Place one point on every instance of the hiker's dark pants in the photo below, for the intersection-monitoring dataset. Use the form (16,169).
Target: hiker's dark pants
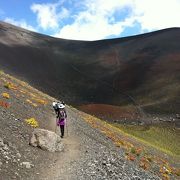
(62,130)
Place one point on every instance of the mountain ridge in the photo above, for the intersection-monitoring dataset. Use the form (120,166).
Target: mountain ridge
(102,71)
(5,24)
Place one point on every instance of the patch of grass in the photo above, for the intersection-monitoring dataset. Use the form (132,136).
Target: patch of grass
(133,150)
(163,137)
(136,151)
(177,172)
(149,158)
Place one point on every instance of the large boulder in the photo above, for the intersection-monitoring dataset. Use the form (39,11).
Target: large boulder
(46,140)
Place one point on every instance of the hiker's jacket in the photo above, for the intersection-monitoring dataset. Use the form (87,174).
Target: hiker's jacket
(62,115)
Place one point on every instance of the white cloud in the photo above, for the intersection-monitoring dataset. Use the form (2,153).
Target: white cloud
(157,14)
(95,22)
(95,19)
(21,23)
(48,15)
(92,29)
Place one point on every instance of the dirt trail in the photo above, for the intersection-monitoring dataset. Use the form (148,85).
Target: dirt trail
(88,155)
(61,165)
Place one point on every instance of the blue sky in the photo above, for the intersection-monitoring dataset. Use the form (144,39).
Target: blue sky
(91,19)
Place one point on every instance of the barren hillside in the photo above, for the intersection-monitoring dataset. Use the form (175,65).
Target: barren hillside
(93,149)
(141,70)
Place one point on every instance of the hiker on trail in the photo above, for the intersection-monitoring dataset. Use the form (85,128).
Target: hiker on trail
(55,107)
(61,118)
(62,102)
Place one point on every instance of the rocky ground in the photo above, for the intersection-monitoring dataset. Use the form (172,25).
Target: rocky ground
(91,155)
(88,153)
(99,159)
(18,160)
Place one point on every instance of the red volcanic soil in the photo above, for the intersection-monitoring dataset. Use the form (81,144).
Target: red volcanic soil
(110,112)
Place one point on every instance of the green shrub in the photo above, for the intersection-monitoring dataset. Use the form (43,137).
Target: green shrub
(133,150)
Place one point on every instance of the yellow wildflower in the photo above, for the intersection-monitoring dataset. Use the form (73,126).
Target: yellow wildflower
(32,122)
(6,95)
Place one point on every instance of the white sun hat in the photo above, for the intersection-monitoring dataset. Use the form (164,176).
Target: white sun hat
(61,106)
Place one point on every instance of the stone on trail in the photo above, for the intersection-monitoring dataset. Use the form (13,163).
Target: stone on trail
(1,142)
(28,165)
(46,140)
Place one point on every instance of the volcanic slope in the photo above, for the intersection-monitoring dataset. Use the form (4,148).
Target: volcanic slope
(88,153)
(143,69)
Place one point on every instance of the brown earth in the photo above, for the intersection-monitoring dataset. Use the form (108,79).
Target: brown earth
(112,113)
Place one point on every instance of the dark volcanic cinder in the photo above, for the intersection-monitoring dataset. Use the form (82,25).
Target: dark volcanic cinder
(143,69)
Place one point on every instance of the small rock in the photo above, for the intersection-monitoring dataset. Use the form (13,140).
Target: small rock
(17,119)
(11,145)
(178,116)
(18,155)
(16,174)
(1,142)
(6,157)
(28,165)
(5,148)
(12,115)
(14,161)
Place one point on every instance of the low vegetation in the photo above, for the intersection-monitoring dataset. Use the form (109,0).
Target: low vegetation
(23,90)
(9,85)
(162,137)
(32,122)
(4,104)
(5,95)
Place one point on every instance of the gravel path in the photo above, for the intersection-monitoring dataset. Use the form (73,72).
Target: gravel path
(90,155)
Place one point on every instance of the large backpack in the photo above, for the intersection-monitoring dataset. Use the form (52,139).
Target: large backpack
(56,108)
(62,114)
